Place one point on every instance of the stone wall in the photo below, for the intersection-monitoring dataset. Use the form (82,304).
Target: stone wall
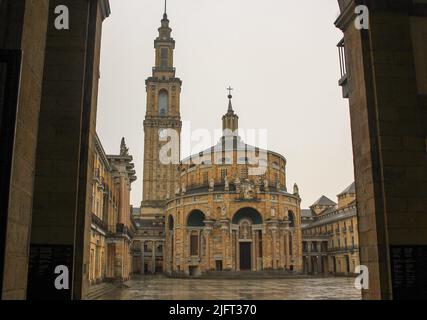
(24,25)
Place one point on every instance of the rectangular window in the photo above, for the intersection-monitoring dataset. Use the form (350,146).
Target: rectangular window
(194,245)
(164,57)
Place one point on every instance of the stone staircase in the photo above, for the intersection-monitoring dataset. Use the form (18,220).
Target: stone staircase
(265,274)
(98,290)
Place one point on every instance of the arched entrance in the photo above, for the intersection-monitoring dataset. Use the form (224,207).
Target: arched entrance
(247,239)
(195,224)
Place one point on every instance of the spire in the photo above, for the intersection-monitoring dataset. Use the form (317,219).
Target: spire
(230,121)
(165,30)
(230,105)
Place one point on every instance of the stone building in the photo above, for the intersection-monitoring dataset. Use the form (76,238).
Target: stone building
(330,235)
(112,226)
(48,104)
(215,214)
(49,79)
(223,217)
(148,244)
(383,74)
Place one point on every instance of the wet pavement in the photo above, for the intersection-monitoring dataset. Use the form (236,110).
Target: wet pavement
(162,288)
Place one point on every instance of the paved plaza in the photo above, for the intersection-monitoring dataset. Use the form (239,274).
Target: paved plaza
(162,288)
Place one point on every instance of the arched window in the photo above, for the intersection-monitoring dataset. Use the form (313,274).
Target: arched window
(247,213)
(195,220)
(163,102)
(291,218)
(171,223)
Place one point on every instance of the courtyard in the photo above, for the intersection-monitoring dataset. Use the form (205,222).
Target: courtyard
(162,288)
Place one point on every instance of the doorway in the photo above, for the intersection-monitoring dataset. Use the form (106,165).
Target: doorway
(218,265)
(245,255)
(347,264)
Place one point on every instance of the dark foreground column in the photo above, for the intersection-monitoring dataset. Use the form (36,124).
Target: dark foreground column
(23,26)
(387,82)
(61,212)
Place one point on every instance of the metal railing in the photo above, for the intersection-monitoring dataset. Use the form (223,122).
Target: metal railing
(350,248)
(343,82)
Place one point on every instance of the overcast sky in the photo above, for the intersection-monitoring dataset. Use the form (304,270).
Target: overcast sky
(279,56)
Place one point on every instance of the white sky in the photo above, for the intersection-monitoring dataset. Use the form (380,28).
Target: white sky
(279,56)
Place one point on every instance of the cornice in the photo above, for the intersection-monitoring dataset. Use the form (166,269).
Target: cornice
(105,9)
(346,17)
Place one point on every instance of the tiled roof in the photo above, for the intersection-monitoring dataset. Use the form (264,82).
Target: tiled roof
(335,215)
(351,189)
(324,201)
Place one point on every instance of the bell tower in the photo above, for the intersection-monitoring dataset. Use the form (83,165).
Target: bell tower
(162,122)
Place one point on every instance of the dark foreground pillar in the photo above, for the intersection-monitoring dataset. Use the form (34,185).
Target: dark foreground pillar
(387,83)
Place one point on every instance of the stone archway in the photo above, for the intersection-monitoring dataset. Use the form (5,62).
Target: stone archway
(196,241)
(247,239)
(196,218)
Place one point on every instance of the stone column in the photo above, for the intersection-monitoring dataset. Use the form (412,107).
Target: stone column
(207,231)
(310,267)
(256,246)
(273,246)
(153,257)
(282,249)
(171,251)
(287,259)
(237,251)
(226,244)
(253,251)
(142,257)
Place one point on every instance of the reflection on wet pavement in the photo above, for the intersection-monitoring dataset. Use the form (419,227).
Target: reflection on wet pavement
(162,288)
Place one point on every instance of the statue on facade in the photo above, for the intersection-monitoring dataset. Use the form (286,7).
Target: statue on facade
(184,188)
(245,230)
(211,184)
(177,189)
(247,190)
(266,185)
(257,183)
(296,190)
(124,151)
(227,184)
(223,211)
(237,181)
(273,212)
